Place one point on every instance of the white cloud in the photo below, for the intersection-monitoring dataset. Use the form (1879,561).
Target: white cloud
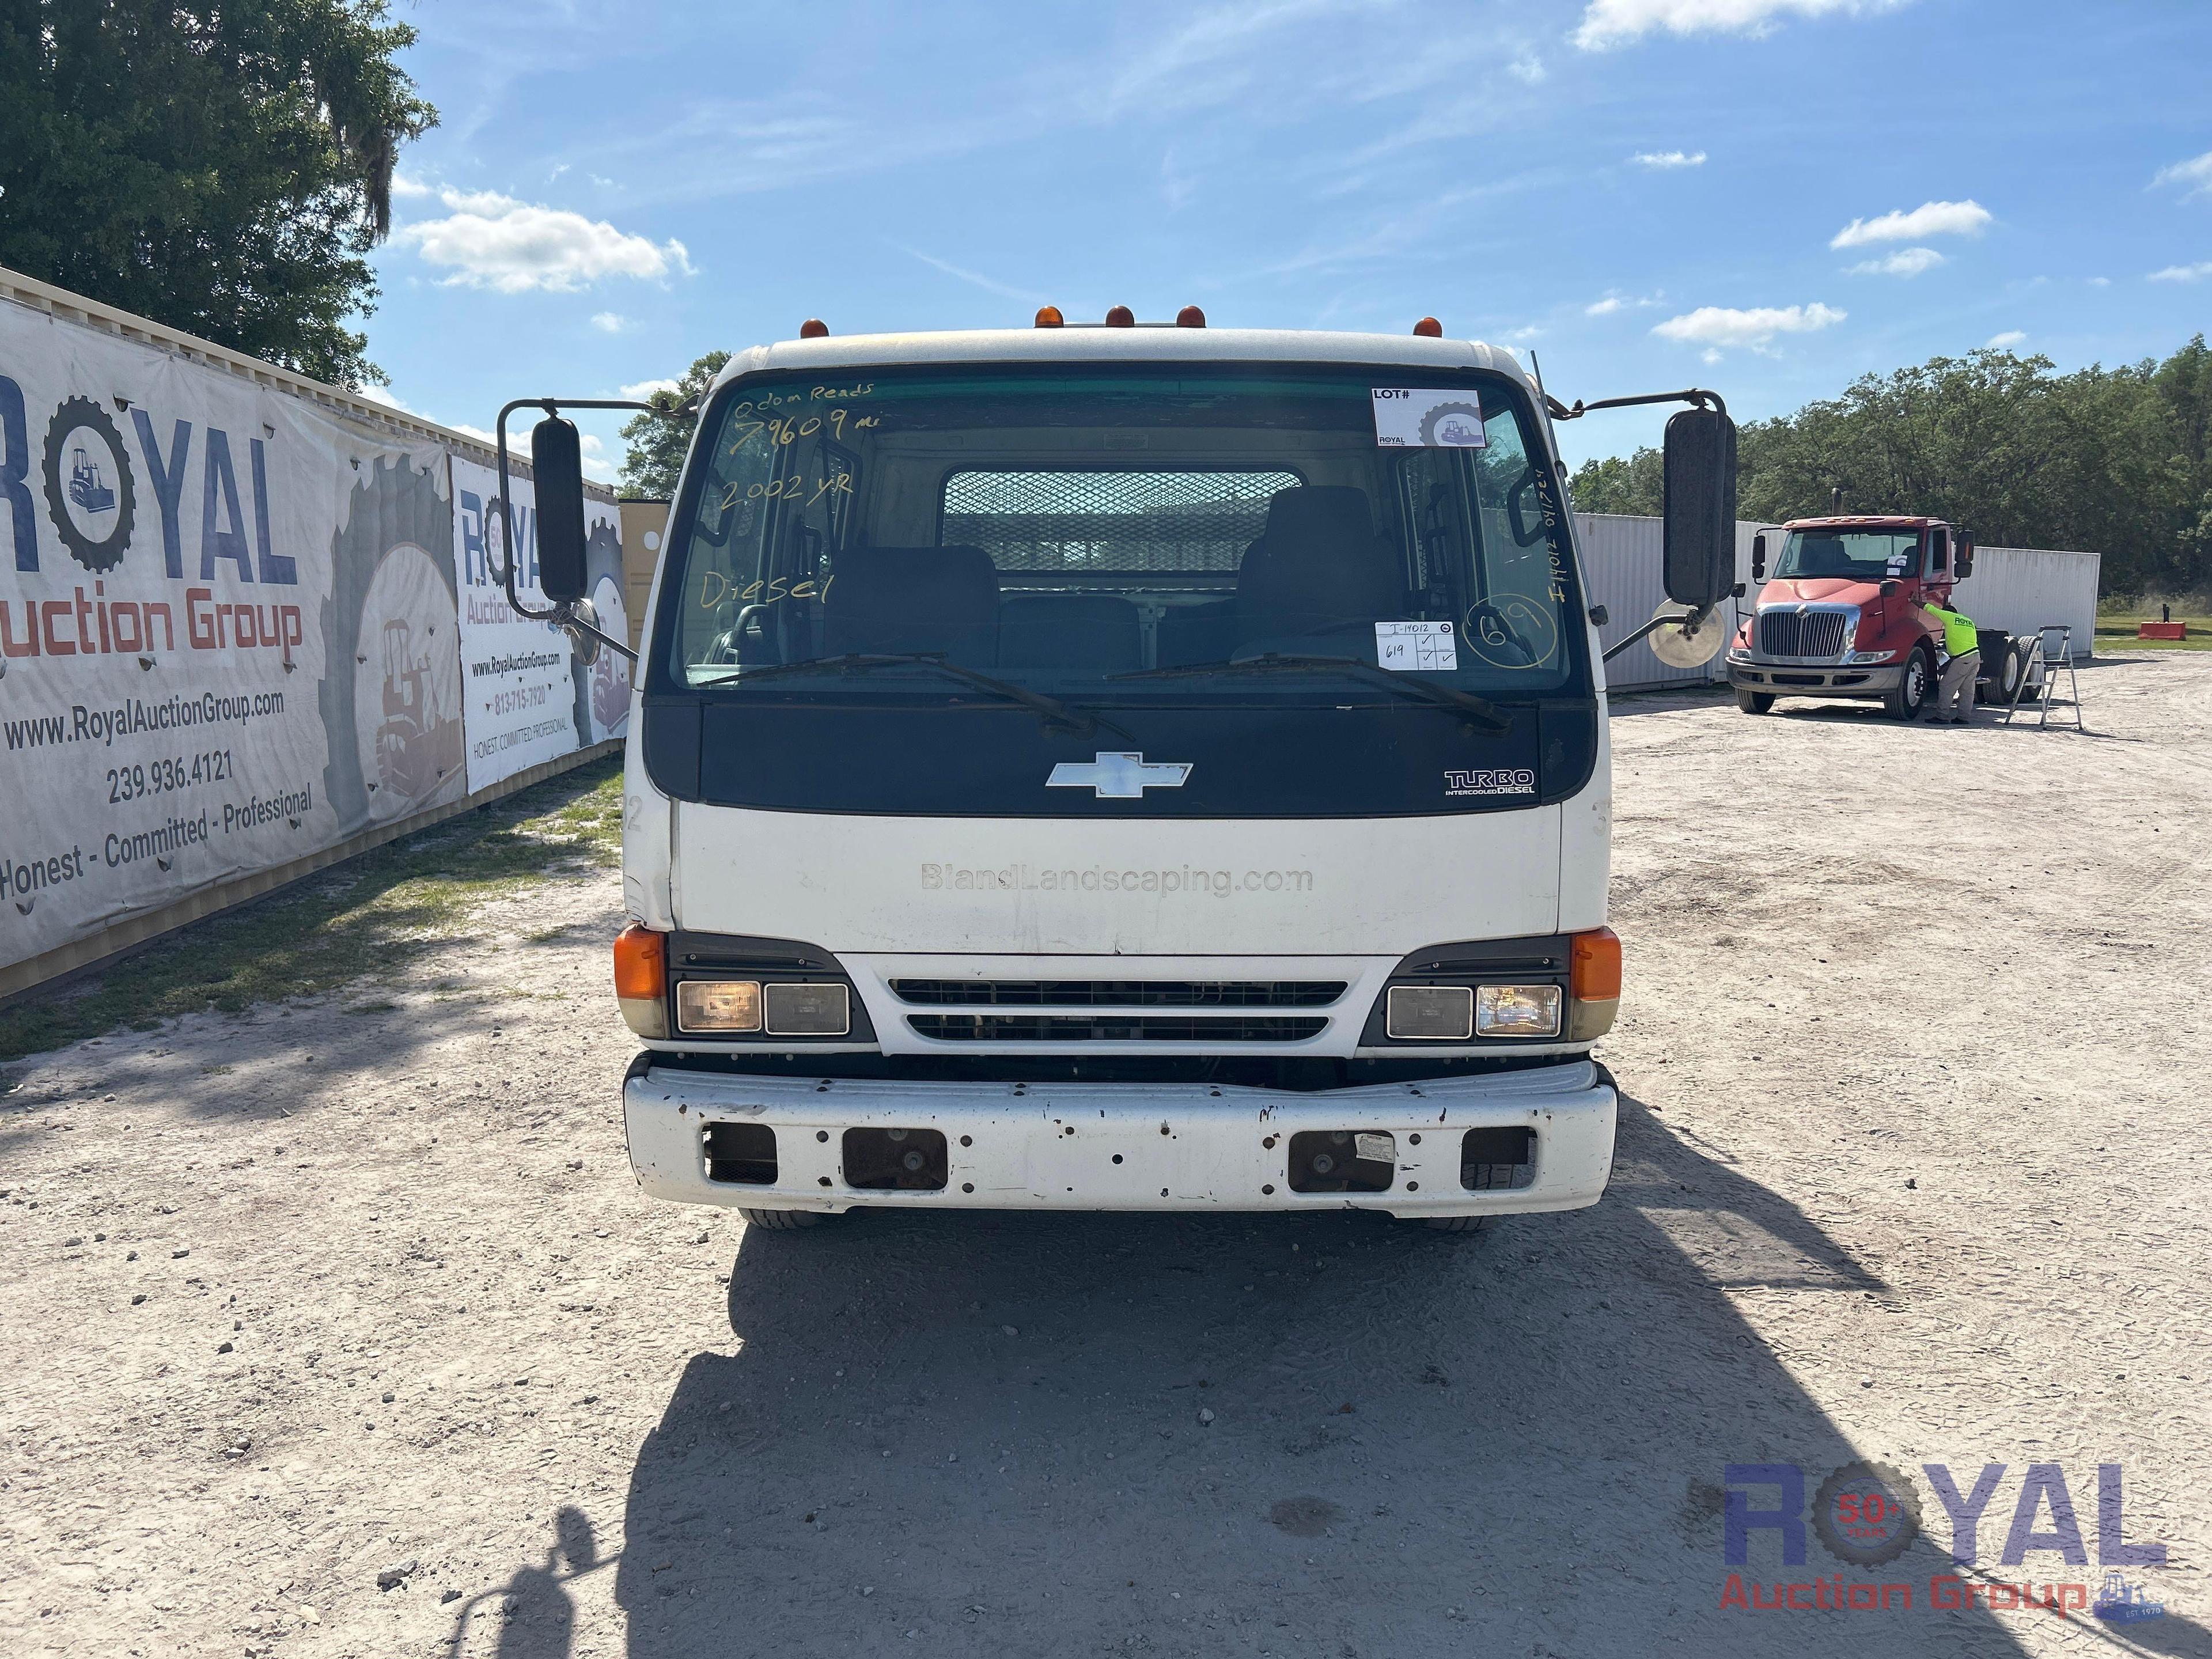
(610,322)
(1667,158)
(1906,262)
(640,390)
(494,241)
(1527,68)
(1929,219)
(2196,273)
(2008,340)
(2100,281)
(377,394)
(1618,303)
(989,285)
(1611,23)
(1716,327)
(1522,336)
(406,184)
(2197,174)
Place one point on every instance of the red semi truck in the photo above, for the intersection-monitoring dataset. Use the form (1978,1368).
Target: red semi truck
(1841,616)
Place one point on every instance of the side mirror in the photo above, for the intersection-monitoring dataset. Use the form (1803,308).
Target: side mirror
(556,463)
(1759,558)
(1962,559)
(1699,505)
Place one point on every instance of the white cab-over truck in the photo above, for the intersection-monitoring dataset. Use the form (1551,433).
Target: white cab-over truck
(1122,767)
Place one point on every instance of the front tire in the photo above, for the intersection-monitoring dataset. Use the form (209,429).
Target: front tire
(782,1221)
(1914,686)
(1755,702)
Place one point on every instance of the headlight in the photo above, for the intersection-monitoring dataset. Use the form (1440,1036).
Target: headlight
(718,1005)
(809,1009)
(1435,1013)
(1518,1011)
(1739,653)
(1872,656)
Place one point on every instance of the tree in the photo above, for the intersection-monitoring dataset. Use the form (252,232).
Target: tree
(223,170)
(657,444)
(1616,483)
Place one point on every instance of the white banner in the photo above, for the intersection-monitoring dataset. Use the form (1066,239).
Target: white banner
(227,634)
(529,698)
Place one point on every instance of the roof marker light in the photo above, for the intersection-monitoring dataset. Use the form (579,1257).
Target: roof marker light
(814,329)
(1120,317)
(1050,317)
(1190,317)
(1429,329)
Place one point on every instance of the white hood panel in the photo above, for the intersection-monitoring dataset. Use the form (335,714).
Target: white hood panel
(1120,887)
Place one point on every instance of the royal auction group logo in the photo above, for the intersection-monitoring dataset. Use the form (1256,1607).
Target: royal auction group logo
(90,494)
(1868,1514)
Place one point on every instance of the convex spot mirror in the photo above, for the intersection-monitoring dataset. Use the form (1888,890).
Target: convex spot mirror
(1698,562)
(557,466)
(584,615)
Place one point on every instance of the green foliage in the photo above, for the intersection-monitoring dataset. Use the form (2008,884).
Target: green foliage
(222,169)
(1619,485)
(387,912)
(657,444)
(2112,461)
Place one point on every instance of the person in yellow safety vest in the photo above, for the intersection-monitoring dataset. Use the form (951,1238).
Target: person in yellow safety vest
(1962,664)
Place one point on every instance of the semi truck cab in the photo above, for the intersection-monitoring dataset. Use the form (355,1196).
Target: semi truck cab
(1125,768)
(1841,615)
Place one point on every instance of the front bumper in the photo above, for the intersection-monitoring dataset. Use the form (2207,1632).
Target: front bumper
(1787,679)
(1122,1147)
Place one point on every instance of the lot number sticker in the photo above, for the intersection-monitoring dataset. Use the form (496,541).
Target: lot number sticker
(1416,647)
(1406,419)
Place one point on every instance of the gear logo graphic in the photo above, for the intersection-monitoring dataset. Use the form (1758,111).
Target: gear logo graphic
(1867,1513)
(90,494)
(1454,426)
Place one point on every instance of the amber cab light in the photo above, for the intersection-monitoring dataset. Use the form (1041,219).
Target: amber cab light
(641,980)
(1190,317)
(1120,317)
(1050,317)
(640,962)
(1594,984)
(814,329)
(1429,329)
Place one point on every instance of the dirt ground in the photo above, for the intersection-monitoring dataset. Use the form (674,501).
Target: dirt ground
(1912,1167)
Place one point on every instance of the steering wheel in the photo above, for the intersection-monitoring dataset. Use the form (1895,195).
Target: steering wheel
(1488,626)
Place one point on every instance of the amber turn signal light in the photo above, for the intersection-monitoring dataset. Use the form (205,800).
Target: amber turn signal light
(1190,317)
(1120,317)
(1429,329)
(641,980)
(1594,982)
(1050,317)
(814,329)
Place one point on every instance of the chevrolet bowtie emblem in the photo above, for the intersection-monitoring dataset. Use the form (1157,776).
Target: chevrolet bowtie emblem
(1119,776)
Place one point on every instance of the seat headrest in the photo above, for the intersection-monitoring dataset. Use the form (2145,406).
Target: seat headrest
(912,598)
(1320,558)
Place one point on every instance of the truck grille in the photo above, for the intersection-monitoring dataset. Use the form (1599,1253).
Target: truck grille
(1112,1028)
(1780,633)
(1119,994)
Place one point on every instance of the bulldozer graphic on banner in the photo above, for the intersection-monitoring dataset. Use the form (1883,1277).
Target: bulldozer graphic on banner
(418,743)
(86,487)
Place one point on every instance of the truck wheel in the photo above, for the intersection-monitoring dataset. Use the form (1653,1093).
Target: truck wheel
(1913,686)
(2007,665)
(1461,1224)
(782,1221)
(1755,702)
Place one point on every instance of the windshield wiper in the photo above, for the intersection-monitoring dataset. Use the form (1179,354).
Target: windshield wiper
(1478,712)
(1050,710)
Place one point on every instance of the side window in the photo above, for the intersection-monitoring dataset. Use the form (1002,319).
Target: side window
(1939,553)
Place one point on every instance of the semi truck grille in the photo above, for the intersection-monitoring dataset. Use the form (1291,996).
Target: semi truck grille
(1119,994)
(1112,1028)
(1781,632)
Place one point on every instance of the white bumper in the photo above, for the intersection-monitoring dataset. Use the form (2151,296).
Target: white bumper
(1123,1146)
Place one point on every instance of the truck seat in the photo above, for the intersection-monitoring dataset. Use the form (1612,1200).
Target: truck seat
(1090,632)
(913,598)
(1319,562)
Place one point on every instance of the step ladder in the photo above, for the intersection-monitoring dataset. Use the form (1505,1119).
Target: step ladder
(2052,652)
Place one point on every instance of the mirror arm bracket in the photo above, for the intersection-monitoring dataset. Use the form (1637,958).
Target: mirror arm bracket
(559,615)
(1695,620)
(1696,395)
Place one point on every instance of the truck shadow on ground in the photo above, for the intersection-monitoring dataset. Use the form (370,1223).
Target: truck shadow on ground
(1033,1434)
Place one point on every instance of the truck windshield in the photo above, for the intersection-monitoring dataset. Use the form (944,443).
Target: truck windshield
(1065,532)
(1851,555)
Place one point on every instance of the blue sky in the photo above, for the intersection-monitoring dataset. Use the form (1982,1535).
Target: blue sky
(1766,197)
